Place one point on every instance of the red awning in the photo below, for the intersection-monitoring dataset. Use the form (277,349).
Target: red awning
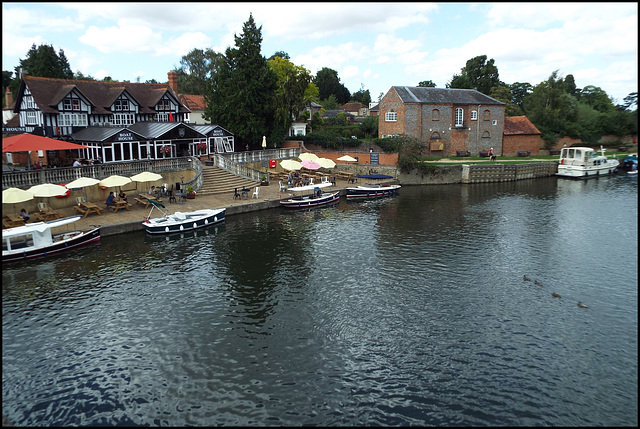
(31,142)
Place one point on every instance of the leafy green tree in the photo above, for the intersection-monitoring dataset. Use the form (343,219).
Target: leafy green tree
(630,101)
(570,85)
(362,96)
(42,61)
(330,103)
(241,94)
(328,83)
(479,74)
(551,109)
(596,98)
(519,91)
(427,84)
(292,85)
(503,93)
(196,68)
(369,126)
(280,54)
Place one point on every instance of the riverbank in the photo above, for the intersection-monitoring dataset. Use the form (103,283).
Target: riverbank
(131,220)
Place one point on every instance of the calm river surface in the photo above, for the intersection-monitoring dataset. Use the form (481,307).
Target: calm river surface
(405,311)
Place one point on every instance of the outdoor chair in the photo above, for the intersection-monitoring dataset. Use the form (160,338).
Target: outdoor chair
(256,192)
(282,186)
(236,195)
(170,194)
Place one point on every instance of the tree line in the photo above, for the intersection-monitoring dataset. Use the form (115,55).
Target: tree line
(255,96)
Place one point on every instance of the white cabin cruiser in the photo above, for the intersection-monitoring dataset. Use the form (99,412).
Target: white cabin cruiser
(584,162)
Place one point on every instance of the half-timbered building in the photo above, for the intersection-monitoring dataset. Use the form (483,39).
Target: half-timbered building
(120,121)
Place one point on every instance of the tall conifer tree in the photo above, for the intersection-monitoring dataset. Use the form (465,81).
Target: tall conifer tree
(242,92)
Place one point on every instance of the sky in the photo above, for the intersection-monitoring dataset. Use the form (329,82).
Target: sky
(372,46)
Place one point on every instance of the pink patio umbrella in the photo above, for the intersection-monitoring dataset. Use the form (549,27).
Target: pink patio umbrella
(311,165)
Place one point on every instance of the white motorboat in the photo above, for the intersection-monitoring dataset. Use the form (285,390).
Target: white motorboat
(584,162)
(36,239)
(179,221)
(372,190)
(308,196)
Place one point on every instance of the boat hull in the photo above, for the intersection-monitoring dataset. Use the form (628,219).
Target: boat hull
(366,192)
(72,240)
(191,221)
(583,172)
(309,201)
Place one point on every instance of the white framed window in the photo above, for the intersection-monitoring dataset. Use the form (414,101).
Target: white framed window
(75,104)
(123,119)
(121,105)
(72,120)
(391,116)
(28,102)
(459,117)
(31,118)
(474,115)
(163,105)
(161,117)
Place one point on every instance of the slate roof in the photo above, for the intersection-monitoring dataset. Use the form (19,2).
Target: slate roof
(193,102)
(48,92)
(415,94)
(519,125)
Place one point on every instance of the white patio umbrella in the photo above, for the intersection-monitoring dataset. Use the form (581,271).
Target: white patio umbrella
(46,190)
(16,195)
(82,182)
(347,158)
(290,164)
(308,156)
(264,142)
(326,162)
(146,176)
(114,181)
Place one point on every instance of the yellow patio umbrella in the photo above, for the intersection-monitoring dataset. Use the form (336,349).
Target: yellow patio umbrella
(114,181)
(308,156)
(347,158)
(326,162)
(290,164)
(46,190)
(16,195)
(82,182)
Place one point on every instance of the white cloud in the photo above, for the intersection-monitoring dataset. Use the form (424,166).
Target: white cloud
(119,39)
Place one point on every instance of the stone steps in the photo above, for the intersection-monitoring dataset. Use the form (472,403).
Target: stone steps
(219,181)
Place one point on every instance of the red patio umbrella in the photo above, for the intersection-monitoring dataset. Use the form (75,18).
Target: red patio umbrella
(31,142)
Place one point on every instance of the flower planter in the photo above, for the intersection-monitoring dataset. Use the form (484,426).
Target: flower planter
(191,195)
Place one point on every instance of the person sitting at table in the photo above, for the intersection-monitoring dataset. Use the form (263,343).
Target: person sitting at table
(290,179)
(24,215)
(153,191)
(123,196)
(110,200)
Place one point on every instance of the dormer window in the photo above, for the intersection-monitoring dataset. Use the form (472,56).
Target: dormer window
(163,104)
(71,104)
(121,105)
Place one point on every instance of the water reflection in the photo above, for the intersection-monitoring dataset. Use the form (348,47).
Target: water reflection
(409,310)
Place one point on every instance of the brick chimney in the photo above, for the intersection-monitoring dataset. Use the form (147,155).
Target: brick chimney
(9,98)
(173,80)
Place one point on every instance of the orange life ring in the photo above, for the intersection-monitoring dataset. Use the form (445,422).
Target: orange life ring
(66,194)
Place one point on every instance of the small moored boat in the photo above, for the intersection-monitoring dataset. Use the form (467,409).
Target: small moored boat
(308,196)
(630,164)
(179,221)
(372,190)
(584,162)
(36,239)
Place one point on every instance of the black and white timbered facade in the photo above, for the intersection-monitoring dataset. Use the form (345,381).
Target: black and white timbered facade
(121,121)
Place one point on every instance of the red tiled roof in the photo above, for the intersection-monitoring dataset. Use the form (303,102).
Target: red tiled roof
(193,102)
(519,125)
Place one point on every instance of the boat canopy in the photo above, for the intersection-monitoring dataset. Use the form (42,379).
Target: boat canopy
(375,176)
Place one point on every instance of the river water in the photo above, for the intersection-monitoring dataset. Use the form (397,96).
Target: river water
(410,310)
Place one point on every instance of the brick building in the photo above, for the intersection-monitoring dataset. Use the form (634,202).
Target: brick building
(448,120)
(520,135)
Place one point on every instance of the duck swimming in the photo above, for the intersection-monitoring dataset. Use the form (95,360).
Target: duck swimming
(555,295)
(526,279)
(581,305)
(538,283)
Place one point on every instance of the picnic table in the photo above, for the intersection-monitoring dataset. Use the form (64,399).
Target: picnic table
(120,204)
(86,207)
(12,220)
(144,199)
(47,214)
